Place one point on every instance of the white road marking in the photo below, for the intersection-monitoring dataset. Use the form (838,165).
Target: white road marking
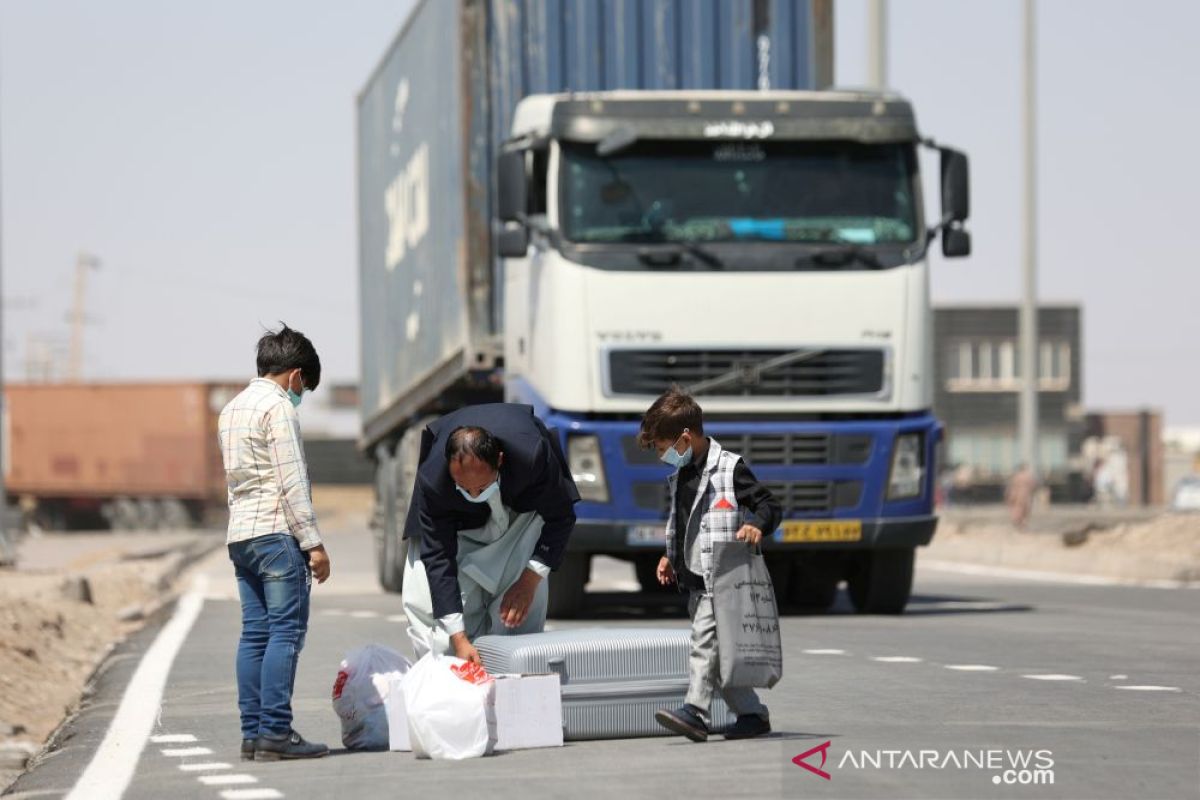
(397,618)
(1150,688)
(186,752)
(1118,677)
(334,612)
(251,794)
(897,659)
(972,667)
(364,614)
(1052,676)
(173,738)
(113,764)
(205,766)
(1051,577)
(227,780)
(826,652)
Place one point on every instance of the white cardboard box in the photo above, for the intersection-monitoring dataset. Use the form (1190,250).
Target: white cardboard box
(527,710)
(397,717)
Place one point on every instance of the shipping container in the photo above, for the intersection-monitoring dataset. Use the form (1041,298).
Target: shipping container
(136,454)
(430,122)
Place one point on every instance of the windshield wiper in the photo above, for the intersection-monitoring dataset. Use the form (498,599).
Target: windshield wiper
(842,256)
(670,254)
(753,371)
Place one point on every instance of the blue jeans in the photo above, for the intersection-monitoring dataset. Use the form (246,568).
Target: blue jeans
(274,583)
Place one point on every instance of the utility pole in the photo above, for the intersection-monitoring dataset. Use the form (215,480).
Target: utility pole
(877,52)
(1027,421)
(78,319)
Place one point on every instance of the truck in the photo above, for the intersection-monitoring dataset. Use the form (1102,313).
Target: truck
(121,455)
(579,205)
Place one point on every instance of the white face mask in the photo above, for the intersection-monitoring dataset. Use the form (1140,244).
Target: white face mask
(483,496)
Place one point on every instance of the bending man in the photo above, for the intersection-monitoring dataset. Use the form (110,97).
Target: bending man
(492,509)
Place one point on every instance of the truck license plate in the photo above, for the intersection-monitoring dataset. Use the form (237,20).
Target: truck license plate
(833,530)
(646,536)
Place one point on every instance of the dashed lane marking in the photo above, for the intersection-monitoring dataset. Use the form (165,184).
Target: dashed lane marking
(1052,676)
(205,766)
(186,752)
(227,780)
(829,651)
(1150,688)
(972,667)
(251,794)
(897,659)
(364,614)
(173,738)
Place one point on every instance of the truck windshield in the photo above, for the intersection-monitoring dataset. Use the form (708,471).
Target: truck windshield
(773,191)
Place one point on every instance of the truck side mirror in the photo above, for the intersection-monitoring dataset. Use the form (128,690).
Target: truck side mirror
(956,242)
(511,188)
(512,240)
(956,201)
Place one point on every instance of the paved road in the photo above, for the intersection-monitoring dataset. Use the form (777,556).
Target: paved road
(979,664)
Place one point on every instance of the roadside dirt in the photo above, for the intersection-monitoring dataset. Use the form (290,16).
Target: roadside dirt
(1164,548)
(51,639)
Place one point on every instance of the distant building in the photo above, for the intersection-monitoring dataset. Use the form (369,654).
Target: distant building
(977,373)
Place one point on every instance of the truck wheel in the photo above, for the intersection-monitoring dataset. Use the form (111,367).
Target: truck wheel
(389,555)
(882,581)
(566,586)
(814,582)
(646,569)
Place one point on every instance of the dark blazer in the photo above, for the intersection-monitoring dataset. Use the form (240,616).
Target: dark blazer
(533,477)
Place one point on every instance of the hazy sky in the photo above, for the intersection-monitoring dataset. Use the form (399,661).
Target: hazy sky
(205,152)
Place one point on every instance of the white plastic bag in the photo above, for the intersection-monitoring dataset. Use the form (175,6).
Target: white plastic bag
(447,716)
(362,686)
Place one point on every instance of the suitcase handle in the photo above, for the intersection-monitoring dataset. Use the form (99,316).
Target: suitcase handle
(558,665)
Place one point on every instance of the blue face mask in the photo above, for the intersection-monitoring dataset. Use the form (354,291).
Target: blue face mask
(295,398)
(674,458)
(485,495)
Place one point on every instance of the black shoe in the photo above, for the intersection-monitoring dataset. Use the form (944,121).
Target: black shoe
(685,720)
(748,726)
(292,746)
(248,749)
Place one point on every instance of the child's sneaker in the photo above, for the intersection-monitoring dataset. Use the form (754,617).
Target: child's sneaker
(748,726)
(685,720)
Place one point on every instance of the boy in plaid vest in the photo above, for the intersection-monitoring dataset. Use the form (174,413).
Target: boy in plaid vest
(714,498)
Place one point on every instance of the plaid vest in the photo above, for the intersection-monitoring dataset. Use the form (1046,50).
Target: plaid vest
(715,515)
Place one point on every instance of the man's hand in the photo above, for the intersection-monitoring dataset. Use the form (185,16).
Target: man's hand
(749,534)
(318,562)
(514,608)
(464,649)
(665,572)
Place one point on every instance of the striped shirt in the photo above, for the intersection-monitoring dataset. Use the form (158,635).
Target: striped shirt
(265,469)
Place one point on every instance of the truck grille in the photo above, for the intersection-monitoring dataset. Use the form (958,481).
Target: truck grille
(775,449)
(827,372)
(797,498)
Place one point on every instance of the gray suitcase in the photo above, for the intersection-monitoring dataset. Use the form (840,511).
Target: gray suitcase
(613,679)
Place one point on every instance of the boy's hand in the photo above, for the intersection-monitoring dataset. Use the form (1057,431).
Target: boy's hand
(666,573)
(318,562)
(749,534)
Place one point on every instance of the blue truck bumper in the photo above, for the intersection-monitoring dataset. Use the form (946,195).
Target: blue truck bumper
(834,472)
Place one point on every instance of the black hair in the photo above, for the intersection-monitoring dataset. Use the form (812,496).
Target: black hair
(672,413)
(286,349)
(469,440)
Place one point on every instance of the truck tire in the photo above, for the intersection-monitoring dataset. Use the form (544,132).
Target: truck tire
(567,586)
(881,581)
(814,582)
(388,556)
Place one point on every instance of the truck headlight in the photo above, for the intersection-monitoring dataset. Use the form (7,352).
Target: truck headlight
(587,468)
(907,477)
